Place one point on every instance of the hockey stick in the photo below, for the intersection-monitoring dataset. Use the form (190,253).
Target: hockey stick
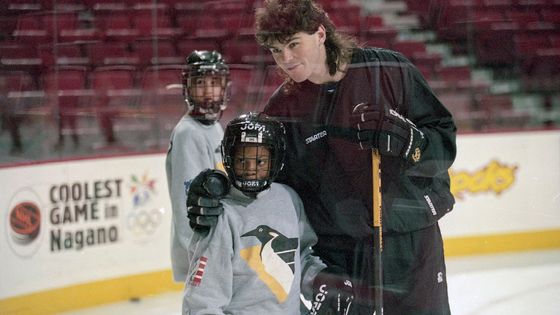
(377,232)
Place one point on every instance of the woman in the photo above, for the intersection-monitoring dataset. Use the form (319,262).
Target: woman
(337,100)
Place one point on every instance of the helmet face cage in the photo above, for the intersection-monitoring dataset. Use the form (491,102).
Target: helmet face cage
(253,151)
(206,85)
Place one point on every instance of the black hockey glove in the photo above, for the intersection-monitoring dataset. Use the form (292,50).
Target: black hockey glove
(385,129)
(333,293)
(203,199)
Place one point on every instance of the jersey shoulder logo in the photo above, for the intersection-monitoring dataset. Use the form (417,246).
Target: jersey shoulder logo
(315,137)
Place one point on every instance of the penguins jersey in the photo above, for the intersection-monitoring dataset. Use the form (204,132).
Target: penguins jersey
(193,147)
(256,260)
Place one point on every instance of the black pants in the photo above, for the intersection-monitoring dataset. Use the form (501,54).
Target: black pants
(413,270)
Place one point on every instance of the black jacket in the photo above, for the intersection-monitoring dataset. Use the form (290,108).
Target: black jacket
(330,172)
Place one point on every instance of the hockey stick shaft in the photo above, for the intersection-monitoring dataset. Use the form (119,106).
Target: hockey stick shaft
(377,231)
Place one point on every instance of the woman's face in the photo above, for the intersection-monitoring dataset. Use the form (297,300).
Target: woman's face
(303,56)
(252,162)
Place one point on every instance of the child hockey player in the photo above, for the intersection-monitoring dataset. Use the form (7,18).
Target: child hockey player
(257,259)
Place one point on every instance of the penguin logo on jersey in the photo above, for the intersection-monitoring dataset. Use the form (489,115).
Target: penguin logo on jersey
(273,260)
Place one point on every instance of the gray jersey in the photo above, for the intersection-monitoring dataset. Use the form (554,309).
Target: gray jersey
(256,260)
(193,147)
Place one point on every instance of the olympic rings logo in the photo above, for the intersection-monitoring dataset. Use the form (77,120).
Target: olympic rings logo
(144,222)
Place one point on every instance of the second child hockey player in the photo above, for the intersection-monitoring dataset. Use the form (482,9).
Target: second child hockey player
(195,141)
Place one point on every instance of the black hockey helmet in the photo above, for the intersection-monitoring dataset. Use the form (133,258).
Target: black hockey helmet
(254,130)
(199,64)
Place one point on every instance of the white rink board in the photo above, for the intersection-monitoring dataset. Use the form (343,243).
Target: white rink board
(133,189)
(519,192)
